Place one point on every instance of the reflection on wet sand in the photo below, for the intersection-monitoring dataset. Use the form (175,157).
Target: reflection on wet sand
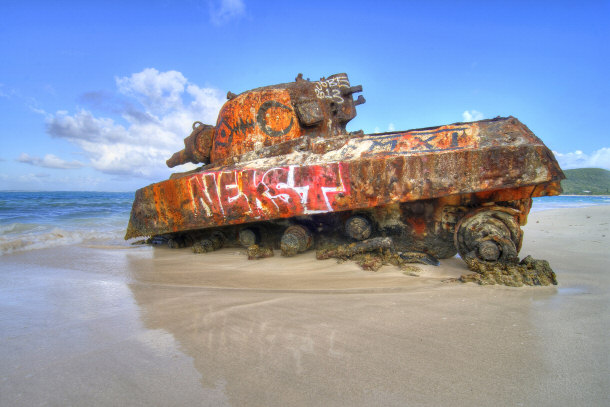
(280,347)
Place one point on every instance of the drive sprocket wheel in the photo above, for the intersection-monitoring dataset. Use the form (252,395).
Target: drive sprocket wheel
(490,234)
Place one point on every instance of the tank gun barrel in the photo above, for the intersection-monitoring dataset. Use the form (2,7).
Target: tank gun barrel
(197,146)
(179,158)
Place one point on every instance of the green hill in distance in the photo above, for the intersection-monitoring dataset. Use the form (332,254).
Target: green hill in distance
(586,181)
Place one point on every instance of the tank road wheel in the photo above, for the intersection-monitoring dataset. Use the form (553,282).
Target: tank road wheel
(358,227)
(248,237)
(296,239)
(489,234)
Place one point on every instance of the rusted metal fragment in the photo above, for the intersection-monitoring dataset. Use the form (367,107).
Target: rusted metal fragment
(257,252)
(419,257)
(527,272)
(347,251)
(373,253)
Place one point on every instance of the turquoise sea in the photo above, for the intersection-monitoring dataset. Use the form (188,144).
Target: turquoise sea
(35,220)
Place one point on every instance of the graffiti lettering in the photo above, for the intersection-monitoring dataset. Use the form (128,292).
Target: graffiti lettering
(232,200)
(269,194)
(226,131)
(419,142)
(333,94)
(205,194)
(330,88)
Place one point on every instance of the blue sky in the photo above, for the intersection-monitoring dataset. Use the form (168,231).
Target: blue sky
(96,95)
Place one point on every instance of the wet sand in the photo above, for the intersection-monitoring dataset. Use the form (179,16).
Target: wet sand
(141,326)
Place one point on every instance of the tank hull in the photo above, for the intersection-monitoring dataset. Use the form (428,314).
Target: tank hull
(488,161)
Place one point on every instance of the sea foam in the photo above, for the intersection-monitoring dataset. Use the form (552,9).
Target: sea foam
(18,242)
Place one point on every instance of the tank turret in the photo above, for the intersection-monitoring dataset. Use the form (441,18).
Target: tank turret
(272,115)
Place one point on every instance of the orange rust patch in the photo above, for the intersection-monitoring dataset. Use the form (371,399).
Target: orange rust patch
(255,118)
(418,225)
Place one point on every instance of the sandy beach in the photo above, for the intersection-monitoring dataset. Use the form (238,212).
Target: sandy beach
(118,325)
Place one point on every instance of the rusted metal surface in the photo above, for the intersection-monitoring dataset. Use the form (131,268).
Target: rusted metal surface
(282,152)
(368,171)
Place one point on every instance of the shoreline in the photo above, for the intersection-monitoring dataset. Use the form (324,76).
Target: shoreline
(54,229)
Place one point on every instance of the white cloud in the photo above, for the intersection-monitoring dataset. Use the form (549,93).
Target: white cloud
(472,115)
(223,11)
(579,159)
(159,92)
(391,127)
(49,161)
(165,107)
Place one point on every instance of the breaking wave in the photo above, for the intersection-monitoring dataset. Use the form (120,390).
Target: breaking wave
(31,239)
(38,220)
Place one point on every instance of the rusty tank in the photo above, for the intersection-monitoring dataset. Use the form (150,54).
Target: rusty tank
(280,170)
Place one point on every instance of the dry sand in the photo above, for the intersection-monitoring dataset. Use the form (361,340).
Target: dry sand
(142,326)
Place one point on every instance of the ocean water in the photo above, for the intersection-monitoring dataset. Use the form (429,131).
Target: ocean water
(35,220)
(568,201)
